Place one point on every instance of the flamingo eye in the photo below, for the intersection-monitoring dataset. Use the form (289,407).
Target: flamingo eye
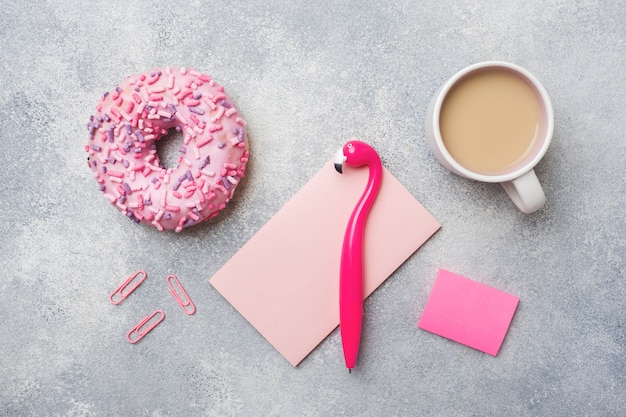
(349,145)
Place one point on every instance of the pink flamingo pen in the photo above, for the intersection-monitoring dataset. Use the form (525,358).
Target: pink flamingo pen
(355,154)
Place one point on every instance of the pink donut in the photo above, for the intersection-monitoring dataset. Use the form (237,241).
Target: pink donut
(123,155)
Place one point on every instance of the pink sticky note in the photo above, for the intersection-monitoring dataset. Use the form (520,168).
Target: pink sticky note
(285,279)
(468,312)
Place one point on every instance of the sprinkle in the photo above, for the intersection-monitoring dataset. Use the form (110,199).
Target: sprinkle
(201,197)
(111,198)
(194,118)
(174,209)
(157,225)
(127,188)
(240,121)
(196,110)
(155,97)
(218,115)
(135,120)
(190,132)
(116,174)
(211,105)
(154,78)
(184,94)
(116,114)
(215,127)
(219,97)
(222,188)
(206,161)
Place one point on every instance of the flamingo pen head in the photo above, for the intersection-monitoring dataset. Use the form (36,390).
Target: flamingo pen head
(354,153)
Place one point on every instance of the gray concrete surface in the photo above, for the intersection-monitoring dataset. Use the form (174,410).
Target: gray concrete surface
(308,76)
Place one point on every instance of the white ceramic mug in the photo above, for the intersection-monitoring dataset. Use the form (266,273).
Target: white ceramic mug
(520,183)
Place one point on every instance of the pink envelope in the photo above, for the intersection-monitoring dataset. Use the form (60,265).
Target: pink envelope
(285,279)
(468,312)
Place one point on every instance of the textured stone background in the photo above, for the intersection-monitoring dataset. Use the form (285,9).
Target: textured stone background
(307,76)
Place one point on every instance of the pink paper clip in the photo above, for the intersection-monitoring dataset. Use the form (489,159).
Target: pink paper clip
(177,291)
(127,287)
(144,327)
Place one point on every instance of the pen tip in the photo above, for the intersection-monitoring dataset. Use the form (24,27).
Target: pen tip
(349,370)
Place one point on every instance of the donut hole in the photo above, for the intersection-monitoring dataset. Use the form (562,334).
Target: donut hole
(170,148)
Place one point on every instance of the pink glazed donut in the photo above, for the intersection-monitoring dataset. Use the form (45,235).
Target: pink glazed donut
(123,155)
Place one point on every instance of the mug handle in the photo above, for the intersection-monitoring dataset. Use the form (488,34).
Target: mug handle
(526,192)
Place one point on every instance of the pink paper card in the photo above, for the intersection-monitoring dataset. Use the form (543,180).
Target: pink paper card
(285,279)
(468,312)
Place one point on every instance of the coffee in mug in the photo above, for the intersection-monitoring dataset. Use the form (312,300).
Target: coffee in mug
(493,122)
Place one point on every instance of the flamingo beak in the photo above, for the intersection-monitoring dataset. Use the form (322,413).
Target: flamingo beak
(340,158)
